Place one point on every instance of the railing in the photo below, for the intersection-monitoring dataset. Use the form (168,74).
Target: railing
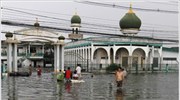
(138,68)
(35,54)
(27,55)
(24,54)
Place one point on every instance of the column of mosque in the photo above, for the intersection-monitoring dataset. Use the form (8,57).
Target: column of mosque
(160,57)
(109,55)
(152,56)
(76,56)
(114,54)
(87,63)
(72,57)
(55,57)
(78,53)
(92,51)
(89,57)
(146,59)
(61,54)
(42,48)
(15,56)
(74,51)
(83,53)
(12,53)
(9,57)
(130,57)
(58,56)
(29,49)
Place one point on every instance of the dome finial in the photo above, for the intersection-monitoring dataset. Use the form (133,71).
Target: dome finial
(36,20)
(36,24)
(75,11)
(130,9)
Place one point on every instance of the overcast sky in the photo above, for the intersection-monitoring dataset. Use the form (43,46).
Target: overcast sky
(99,15)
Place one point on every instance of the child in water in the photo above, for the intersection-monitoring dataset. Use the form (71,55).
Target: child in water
(75,75)
(39,70)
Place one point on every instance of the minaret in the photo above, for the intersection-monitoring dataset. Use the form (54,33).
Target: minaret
(75,24)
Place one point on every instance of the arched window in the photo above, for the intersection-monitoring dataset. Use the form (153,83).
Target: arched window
(73,30)
(76,30)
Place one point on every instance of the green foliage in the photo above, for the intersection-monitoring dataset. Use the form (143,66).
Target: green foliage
(112,67)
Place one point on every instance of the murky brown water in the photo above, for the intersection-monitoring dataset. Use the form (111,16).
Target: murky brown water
(150,86)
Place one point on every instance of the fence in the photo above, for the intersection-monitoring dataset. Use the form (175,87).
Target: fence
(89,67)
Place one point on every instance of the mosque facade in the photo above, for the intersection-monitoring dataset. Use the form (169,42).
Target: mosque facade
(128,51)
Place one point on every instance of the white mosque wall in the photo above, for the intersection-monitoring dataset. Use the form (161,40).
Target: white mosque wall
(167,54)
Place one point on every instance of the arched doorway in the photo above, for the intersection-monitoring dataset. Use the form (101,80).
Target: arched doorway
(122,57)
(138,59)
(100,58)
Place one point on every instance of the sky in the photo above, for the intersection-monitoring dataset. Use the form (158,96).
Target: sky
(95,18)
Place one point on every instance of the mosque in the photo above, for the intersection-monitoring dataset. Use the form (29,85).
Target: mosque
(93,53)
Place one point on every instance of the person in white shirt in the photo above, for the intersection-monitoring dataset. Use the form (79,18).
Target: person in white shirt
(78,69)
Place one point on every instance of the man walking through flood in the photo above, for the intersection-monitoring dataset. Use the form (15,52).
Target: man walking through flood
(119,75)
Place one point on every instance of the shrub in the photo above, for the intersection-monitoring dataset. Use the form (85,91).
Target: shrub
(112,67)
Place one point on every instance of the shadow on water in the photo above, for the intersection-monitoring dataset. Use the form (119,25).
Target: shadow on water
(150,86)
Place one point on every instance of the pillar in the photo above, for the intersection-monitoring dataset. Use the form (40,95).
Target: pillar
(161,58)
(114,54)
(43,48)
(89,58)
(55,57)
(108,53)
(145,63)
(91,55)
(62,57)
(87,62)
(29,49)
(9,58)
(152,57)
(130,58)
(15,57)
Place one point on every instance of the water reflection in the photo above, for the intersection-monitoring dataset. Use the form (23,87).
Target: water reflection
(68,86)
(101,87)
(12,89)
(119,94)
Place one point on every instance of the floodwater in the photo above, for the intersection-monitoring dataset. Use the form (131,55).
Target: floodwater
(149,86)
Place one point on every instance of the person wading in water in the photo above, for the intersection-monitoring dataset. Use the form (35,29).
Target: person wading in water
(119,75)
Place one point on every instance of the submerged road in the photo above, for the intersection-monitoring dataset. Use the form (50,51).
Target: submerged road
(149,86)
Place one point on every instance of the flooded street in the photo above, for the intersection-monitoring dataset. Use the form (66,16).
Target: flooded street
(149,86)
